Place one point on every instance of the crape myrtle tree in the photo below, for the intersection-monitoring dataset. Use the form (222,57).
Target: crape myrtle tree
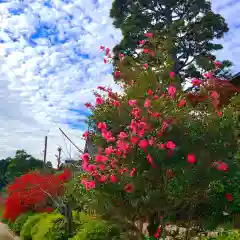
(187,26)
(159,155)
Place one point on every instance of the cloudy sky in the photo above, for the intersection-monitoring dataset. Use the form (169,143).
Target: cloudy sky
(50,62)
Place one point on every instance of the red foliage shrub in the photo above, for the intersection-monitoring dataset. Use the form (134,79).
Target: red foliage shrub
(34,192)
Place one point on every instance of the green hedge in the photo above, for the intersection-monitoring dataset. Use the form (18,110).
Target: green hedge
(226,235)
(19,222)
(51,227)
(94,229)
(26,231)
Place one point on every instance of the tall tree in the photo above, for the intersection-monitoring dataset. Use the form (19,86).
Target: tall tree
(186,26)
(16,166)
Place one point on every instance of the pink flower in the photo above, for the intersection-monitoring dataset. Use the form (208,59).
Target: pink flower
(222,166)
(191,159)
(172,91)
(107,51)
(85,157)
(109,150)
(136,112)
(129,188)
(150,160)
(99,101)
(182,103)
(132,103)
(132,173)
(171,145)
(122,135)
(143,144)
(117,74)
(91,168)
(161,146)
(147,103)
(102,125)
(172,75)
(169,173)
(134,139)
(101,88)
(229,197)
(157,233)
(116,103)
(101,47)
(150,92)
(196,82)
(148,34)
(122,145)
(107,135)
(88,105)
(90,185)
(219,113)
(141,42)
(102,167)
(214,94)
(113,179)
(218,64)
(145,65)
(146,50)
(122,170)
(208,75)
(154,114)
(86,134)
(103,178)
(100,158)
(152,141)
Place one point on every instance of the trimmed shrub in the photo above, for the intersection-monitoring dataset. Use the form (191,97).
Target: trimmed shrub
(80,218)
(51,227)
(18,224)
(226,235)
(57,231)
(25,233)
(97,230)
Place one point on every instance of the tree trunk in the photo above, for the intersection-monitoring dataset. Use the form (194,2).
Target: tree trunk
(69,220)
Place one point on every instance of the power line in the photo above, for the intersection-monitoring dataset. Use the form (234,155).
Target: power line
(81,151)
(66,145)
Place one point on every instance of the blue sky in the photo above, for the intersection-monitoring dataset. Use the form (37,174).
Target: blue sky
(53,61)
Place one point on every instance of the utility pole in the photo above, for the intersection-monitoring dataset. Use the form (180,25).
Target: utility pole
(45,151)
(59,157)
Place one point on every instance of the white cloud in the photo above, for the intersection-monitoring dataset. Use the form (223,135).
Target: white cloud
(45,67)
(53,63)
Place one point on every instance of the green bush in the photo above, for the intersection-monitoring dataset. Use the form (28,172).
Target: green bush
(51,227)
(19,222)
(25,233)
(97,230)
(79,219)
(226,235)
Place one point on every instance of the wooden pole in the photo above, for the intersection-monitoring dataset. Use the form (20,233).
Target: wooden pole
(59,157)
(45,150)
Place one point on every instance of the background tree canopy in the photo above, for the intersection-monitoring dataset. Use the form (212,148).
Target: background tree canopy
(187,27)
(21,163)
